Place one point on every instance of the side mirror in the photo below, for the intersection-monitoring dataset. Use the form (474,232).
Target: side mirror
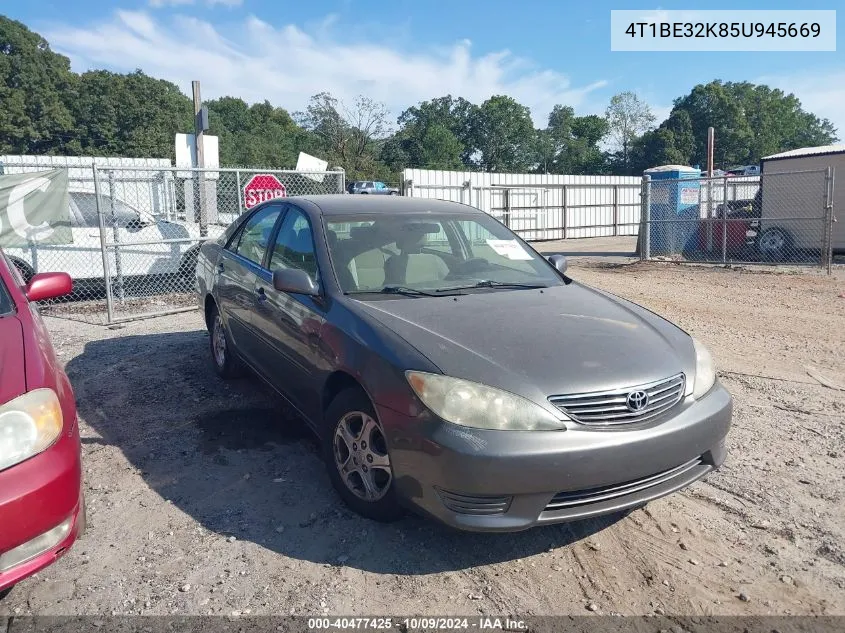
(559,262)
(295,281)
(48,286)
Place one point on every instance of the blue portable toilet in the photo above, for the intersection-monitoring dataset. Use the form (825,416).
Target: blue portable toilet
(675,195)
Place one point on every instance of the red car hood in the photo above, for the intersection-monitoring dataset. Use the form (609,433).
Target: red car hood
(12,375)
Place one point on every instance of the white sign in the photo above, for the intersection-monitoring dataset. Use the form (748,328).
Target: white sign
(689,195)
(306,162)
(509,248)
(186,153)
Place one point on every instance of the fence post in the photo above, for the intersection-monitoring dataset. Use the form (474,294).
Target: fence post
(645,219)
(118,264)
(827,249)
(103,249)
(468,189)
(409,187)
(506,216)
(615,210)
(240,192)
(725,220)
(563,223)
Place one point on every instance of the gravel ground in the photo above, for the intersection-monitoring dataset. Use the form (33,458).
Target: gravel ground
(207,497)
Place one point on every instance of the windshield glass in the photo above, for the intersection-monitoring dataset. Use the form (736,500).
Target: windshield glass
(431,252)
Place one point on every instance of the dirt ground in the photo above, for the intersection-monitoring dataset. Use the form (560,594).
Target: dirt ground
(207,497)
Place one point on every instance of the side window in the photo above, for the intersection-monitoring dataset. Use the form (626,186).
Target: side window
(294,247)
(254,238)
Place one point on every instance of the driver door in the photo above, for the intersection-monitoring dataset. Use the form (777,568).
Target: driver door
(290,324)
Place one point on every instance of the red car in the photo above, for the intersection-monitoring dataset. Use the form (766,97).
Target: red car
(42,510)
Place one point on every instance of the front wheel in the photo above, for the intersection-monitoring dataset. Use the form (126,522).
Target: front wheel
(357,458)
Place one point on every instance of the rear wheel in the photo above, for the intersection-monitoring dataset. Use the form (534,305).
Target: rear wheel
(225,362)
(357,458)
(774,244)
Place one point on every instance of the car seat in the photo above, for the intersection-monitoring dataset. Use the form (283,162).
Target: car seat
(411,266)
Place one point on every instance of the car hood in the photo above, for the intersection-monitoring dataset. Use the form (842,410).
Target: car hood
(565,339)
(12,375)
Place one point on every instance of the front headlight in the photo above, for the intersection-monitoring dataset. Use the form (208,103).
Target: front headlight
(479,406)
(28,424)
(705,370)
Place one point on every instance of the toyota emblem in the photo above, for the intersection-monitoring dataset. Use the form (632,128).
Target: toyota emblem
(637,401)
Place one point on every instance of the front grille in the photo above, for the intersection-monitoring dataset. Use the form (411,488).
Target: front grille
(604,493)
(609,408)
(474,504)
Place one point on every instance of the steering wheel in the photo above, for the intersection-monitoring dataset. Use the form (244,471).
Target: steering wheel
(476,264)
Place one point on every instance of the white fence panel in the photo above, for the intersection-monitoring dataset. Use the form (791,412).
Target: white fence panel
(539,206)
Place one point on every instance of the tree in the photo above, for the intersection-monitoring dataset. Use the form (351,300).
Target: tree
(573,142)
(36,85)
(259,134)
(749,121)
(433,119)
(504,135)
(348,135)
(627,118)
(129,115)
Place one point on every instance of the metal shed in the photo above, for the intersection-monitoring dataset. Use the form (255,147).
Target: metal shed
(799,199)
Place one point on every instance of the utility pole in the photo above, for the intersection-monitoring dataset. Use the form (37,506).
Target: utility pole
(200,125)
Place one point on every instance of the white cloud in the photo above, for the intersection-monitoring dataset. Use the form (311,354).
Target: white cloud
(821,94)
(287,64)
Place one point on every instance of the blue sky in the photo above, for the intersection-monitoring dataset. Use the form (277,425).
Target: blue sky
(401,52)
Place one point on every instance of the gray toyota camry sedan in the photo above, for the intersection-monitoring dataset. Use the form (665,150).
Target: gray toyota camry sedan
(447,367)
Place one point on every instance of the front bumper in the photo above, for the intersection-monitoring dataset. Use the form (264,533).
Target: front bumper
(36,496)
(503,481)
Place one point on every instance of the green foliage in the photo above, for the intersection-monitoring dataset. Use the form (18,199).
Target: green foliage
(569,145)
(627,118)
(36,85)
(503,135)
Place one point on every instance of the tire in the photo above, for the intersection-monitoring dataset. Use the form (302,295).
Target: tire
(369,490)
(24,269)
(225,362)
(394,193)
(774,244)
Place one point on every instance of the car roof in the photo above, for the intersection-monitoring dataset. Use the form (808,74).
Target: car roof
(335,204)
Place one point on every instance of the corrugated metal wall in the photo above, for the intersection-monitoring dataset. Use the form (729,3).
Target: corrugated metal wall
(539,206)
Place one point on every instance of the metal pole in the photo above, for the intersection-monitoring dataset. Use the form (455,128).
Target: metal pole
(240,193)
(118,264)
(103,248)
(615,210)
(563,223)
(710,143)
(827,248)
(725,220)
(507,209)
(646,217)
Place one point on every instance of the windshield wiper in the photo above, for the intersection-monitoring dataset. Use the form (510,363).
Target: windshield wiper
(491,283)
(413,292)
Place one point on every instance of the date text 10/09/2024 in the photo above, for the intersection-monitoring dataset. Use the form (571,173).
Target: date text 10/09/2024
(723,29)
(479,623)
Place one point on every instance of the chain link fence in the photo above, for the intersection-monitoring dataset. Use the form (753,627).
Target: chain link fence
(781,218)
(137,230)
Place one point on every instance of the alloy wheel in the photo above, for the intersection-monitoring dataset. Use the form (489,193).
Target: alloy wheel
(218,342)
(360,455)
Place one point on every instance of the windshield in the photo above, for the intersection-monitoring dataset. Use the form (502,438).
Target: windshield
(431,252)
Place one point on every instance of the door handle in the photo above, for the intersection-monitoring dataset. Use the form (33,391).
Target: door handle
(262,296)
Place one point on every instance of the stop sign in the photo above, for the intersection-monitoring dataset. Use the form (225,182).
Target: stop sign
(262,187)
